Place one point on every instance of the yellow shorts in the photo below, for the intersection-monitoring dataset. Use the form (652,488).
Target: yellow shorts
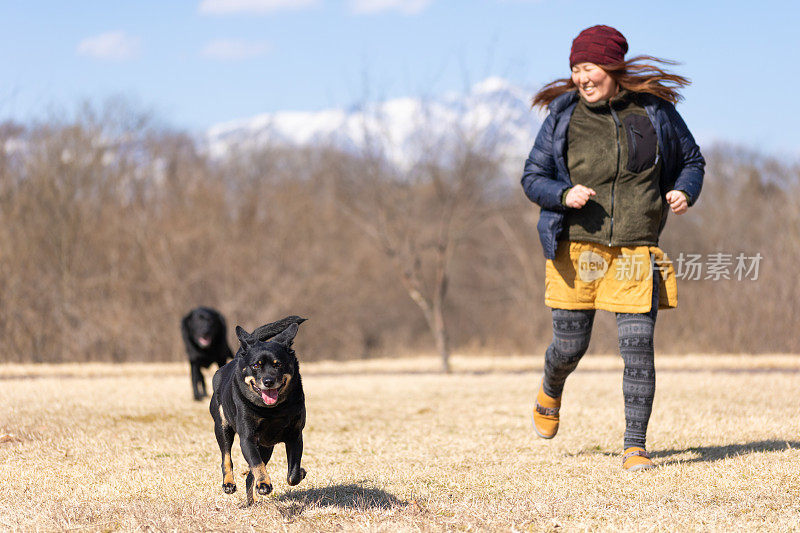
(587,275)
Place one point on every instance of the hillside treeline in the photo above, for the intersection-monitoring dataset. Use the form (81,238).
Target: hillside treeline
(112,227)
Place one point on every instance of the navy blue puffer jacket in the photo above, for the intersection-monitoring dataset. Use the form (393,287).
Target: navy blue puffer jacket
(546,176)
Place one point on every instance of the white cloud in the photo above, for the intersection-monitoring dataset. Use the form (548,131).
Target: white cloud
(409,7)
(112,45)
(234,49)
(225,7)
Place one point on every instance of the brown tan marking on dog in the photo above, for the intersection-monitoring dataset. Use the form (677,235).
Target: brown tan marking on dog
(260,481)
(227,474)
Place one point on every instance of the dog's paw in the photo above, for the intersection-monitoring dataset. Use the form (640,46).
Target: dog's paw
(229,488)
(299,475)
(264,488)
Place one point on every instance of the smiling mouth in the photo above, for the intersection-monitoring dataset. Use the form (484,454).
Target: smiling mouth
(204,342)
(270,396)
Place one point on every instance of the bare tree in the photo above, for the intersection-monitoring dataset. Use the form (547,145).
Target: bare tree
(422,216)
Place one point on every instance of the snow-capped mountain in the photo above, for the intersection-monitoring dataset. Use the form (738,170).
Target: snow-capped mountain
(494,114)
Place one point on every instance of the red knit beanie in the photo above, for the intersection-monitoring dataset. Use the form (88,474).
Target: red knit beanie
(600,45)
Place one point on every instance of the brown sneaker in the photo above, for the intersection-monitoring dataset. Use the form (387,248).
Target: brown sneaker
(636,458)
(545,414)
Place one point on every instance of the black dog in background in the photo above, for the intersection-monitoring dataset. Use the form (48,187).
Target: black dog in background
(204,334)
(259,395)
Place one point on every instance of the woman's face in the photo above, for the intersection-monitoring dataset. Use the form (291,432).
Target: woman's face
(593,82)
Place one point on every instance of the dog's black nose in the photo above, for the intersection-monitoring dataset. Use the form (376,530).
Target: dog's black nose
(268,382)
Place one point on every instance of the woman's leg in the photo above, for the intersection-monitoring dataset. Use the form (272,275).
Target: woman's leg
(639,377)
(571,333)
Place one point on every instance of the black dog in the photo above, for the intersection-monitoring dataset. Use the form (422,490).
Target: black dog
(259,395)
(204,334)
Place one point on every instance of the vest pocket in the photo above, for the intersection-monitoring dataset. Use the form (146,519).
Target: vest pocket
(642,142)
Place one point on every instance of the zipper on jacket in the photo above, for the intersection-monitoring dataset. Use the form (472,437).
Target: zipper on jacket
(617,126)
(632,147)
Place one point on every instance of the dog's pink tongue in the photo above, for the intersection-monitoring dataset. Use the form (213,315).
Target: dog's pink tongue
(269,396)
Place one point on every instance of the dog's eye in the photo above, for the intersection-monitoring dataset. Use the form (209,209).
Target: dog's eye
(276,364)
(256,365)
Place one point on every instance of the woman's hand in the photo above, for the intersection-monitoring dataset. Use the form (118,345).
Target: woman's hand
(677,202)
(578,196)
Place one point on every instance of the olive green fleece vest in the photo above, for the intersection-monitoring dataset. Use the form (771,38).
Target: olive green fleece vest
(612,148)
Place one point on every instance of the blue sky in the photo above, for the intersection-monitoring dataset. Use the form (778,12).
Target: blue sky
(200,62)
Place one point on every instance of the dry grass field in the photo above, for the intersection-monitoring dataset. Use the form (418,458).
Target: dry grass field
(392,445)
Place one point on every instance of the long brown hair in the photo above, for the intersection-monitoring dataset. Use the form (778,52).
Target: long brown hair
(638,74)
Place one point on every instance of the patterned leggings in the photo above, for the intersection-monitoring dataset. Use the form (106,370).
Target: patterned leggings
(571,333)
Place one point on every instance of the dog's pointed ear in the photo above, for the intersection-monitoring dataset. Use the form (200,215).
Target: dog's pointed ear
(286,337)
(267,331)
(245,338)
